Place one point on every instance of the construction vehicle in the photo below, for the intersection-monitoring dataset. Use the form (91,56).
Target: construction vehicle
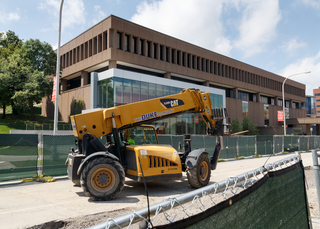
(101,169)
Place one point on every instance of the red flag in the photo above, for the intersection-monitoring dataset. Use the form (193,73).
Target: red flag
(54,89)
(280,116)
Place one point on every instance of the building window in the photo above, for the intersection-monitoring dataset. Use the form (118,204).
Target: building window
(272,101)
(245,109)
(86,50)
(116,91)
(263,99)
(127,43)
(280,102)
(173,56)
(74,83)
(161,52)
(100,43)
(141,47)
(134,45)
(90,47)
(189,60)
(167,54)
(148,48)
(105,40)
(183,59)
(287,103)
(119,40)
(243,96)
(178,57)
(155,51)
(193,61)
(254,98)
(95,45)
(266,114)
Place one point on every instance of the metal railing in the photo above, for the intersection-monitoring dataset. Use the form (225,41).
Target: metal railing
(47,126)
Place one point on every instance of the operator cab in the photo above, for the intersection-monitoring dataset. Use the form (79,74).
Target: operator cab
(139,135)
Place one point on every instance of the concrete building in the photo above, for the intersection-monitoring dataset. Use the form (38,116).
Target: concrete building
(117,62)
(316,93)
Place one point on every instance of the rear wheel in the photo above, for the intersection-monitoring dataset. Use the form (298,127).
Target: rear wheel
(102,179)
(199,175)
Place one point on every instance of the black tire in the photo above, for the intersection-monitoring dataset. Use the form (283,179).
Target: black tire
(77,183)
(199,175)
(102,179)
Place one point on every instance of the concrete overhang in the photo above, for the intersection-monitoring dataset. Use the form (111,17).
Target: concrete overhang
(301,121)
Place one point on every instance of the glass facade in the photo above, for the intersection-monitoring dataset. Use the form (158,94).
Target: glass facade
(310,105)
(245,109)
(116,91)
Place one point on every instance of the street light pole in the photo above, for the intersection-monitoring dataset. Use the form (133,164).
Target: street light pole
(56,103)
(283,101)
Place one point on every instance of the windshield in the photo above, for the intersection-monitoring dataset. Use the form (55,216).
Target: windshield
(141,135)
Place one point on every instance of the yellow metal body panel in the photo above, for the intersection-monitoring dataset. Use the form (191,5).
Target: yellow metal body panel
(99,123)
(155,160)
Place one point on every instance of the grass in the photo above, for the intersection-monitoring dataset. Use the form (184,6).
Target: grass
(18,122)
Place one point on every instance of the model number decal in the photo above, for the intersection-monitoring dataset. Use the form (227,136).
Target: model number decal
(152,115)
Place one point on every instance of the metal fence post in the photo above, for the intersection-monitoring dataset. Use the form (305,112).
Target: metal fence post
(315,156)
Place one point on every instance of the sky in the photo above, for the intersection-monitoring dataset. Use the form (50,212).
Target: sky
(279,36)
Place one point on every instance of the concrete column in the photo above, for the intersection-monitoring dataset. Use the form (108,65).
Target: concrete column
(258,97)
(167,75)
(93,91)
(63,84)
(84,78)
(112,64)
(308,126)
(206,83)
(303,106)
(275,101)
(235,93)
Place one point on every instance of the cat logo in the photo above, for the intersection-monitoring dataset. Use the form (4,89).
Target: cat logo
(169,103)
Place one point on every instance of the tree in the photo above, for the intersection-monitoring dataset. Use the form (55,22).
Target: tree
(25,69)
(9,44)
(33,90)
(236,126)
(249,125)
(40,56)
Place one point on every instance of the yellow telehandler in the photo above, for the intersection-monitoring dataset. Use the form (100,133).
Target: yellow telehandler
(132,149)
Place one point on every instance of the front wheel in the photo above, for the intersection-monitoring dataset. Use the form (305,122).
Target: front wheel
(102,179)
(199,175)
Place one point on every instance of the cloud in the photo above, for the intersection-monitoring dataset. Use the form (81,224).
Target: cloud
(205,22)
(73,12)
(292,46)
(195,21)
(312,80)
(98,15)
(257,26)
(8,17)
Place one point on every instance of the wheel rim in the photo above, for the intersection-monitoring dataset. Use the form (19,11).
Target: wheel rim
(204,170)
(103,178)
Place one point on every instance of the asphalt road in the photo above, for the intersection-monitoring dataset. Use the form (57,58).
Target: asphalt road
(24,205)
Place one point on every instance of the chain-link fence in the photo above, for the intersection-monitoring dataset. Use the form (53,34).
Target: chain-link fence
(25,155)
(273,196)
